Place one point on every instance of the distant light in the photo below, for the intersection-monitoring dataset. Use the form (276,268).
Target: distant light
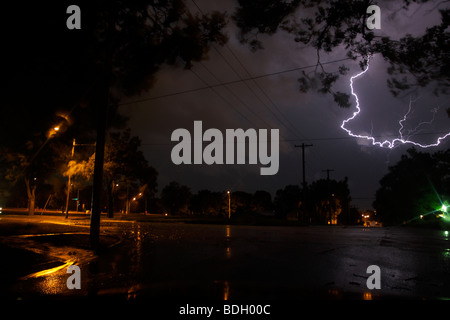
(140,193)
(421,216)
(446,233)
(367,296)
(56,128)
(134,199)
(444,208)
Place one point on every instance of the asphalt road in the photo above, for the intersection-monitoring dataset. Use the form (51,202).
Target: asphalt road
(179,260)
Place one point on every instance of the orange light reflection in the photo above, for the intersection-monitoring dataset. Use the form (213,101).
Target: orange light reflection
(49,271)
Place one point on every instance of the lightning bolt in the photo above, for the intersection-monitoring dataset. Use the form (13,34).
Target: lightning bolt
(394,142)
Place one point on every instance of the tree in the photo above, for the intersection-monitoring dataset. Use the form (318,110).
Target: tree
(262,201)
(417,185)
(327,25)
(126,170)
(117,52)
(287,200)
(326,202)
(138,35)
(328,199)
(25,171)
(124,161)
(321,202)
(207,202)
(175,198)
(241,202)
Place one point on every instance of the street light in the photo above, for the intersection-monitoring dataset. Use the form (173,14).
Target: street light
(229,204)
(31,199)
(53,131)
(50,133)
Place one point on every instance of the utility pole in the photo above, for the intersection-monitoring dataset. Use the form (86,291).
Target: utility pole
(303,146)
(328,172)
(68,183)
(229,204)
(127,206)
(329,196)
(78,198)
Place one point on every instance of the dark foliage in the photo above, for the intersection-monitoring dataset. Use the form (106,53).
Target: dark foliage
(417,185)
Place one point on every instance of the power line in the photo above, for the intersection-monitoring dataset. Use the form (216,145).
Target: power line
(248,87)
(292,127)
(234,95)
(228,83)
(220,96)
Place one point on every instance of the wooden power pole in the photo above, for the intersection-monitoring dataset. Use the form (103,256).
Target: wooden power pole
(303,146)
(328,172)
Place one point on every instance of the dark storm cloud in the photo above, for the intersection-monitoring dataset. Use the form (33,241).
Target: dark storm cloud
(300,117)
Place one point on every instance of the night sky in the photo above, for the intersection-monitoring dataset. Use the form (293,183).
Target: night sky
(271,100)
(238,88)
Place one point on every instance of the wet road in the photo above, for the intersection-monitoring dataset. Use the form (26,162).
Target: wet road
(159,260)
(238,262)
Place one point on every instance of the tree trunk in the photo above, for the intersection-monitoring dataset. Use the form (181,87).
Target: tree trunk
(110,190)
(31,192)
(102,112)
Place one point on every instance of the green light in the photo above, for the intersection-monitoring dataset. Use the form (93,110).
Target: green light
(444,208)
(446,233)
